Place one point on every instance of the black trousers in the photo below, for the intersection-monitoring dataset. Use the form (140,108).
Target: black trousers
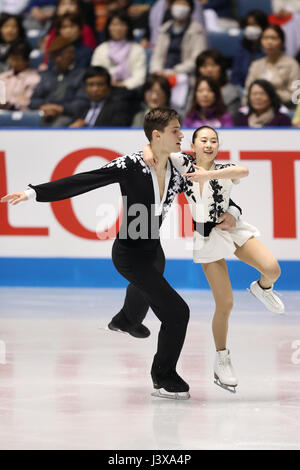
(143,268)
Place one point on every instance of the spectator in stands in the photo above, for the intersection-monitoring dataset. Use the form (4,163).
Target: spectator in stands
(60,93)
(286,13)
(250,48)
(160,13)
(264,107)
(101,13)
(139,10)
(156,93)
(284,8)
(120,54)
(105,106)
(276,67)
(13,7)
(211,63)
(208,107)
(69,27)
(39,14)
(180,41)
(11,29)
(19,80)
(69,6)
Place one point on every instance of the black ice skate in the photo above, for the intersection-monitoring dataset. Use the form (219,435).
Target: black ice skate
(173,387)
(138,331)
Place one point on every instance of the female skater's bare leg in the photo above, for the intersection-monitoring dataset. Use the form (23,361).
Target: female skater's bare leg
(217,276)
(256,254)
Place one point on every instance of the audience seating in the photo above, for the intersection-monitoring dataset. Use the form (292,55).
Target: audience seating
(243,6)
(20,119)
(225,42)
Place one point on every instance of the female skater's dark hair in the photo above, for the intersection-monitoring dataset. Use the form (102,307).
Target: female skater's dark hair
(200,129)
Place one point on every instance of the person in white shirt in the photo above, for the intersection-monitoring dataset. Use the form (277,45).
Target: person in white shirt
(13,7)
(124,59)
(20,81)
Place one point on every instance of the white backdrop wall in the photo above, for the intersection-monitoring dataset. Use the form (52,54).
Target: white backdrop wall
(269,197)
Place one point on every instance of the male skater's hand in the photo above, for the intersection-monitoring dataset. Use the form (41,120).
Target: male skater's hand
(14,198)
(227,221)
(149,157)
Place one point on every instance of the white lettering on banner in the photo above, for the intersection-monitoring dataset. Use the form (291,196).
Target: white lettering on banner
(267,196)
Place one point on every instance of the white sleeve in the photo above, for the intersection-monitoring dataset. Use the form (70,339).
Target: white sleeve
(30,193)
(234,212)
(181,162)
(226,165)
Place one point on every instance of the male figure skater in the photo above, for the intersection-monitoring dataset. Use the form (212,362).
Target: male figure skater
(137,253)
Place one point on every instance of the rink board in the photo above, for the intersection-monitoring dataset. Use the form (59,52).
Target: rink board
(57,245)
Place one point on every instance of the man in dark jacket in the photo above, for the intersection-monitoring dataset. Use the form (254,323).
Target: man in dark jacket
(106,106)
(60,93)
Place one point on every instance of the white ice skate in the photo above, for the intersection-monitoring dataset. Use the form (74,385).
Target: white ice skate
(267,297)
(224,373)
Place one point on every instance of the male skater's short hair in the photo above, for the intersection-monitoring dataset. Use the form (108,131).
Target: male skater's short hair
(158,119)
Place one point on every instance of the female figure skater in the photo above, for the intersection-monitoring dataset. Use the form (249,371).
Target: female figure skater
(207,189)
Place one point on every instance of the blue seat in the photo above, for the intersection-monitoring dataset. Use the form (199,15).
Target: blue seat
(149,53)
(20,119)
(226,43)
(243,6)
(35,58)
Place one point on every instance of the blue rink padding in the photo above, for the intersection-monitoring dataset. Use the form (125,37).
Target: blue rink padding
(91,272)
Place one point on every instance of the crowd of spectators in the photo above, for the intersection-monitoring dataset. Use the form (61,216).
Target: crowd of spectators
(104,63)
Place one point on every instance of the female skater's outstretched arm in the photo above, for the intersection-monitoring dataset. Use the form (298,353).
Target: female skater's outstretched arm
(232,172)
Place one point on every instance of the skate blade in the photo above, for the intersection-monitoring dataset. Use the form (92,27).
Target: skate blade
(105,328)
(162,393)
(229,388)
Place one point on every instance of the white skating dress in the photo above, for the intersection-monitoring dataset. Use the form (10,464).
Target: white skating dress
(211,243)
